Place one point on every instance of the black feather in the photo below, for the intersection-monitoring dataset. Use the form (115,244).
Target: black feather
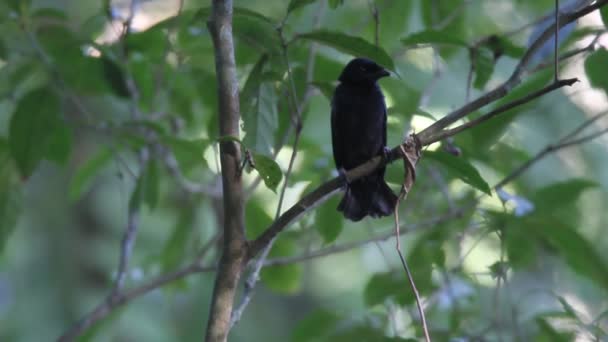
(358,125)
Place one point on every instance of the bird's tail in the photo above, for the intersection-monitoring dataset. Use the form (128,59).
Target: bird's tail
(367,196)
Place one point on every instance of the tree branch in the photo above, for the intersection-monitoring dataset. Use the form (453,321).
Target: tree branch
(513,80)
(234,246)
(508,106)
(424,138)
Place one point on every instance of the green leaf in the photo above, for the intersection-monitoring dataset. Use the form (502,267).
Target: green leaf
(604,15)
(257,219)
(36,131)
(576,251)
(567,192)
(151,44)
(503,46)
(151,185)
(483,62)
(256,30)
(283,278)
(60,143)
(433,37)
(383,286)
(137,195)
(47,13)
(10,196)
(315,327)
(351,45)
(269,170)
(326,88)
(82,179)
(460,168)
(260,116)
(568,309)
(188,153)
(550,334)
(329,221)
(295,4)
(364,332)
(174,250)
(521,249)
(595,68)
(488,133)
(115,77)
(82,73)
(333,4)
(3,51)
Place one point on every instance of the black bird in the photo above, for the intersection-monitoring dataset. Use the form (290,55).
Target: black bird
(358,131)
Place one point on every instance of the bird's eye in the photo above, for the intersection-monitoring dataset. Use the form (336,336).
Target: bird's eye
(363,68)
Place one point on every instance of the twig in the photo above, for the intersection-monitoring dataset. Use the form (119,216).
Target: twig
(297,122)
(555,42)
(310,89)
(566,141)
(325,190)
(376,17)
(410,158)
(451,132)
(126,248)
(513,80)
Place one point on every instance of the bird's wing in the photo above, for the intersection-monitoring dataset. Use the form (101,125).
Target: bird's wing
(336,139)
(384,125)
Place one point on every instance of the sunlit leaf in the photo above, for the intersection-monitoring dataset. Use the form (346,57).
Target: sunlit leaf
(295,4)
(257,219)
(483,62)
(85,173)
(352,45)
(259,109)
(174,251)
(189,153)
(326,88)
(433,37)
(329,222)
(316,326)
(283,278)
(595,66)
(269,170)
(151,184)
(460,168)
(37,131)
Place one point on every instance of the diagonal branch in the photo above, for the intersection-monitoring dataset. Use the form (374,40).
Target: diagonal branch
(515,77)
(324,191)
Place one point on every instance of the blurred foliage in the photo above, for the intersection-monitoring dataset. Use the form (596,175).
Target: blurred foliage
(99,123)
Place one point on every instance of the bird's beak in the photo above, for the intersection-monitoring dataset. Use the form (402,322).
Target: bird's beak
(381,73)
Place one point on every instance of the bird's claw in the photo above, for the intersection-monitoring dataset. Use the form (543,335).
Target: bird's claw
(342,174)
(386,153)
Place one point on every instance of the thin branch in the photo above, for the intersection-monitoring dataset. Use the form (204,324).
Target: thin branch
(126,249)
(513,80)
(409,162)
(555,42)
(107,307)
(325,190)
(376,18)
(297,121)
(336,249)
(567,141)
(506,107)
(234,243)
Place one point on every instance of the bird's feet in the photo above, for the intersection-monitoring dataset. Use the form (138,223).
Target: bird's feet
(342,174)
(386,153)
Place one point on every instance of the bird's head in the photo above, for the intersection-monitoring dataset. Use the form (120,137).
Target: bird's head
(362,71)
